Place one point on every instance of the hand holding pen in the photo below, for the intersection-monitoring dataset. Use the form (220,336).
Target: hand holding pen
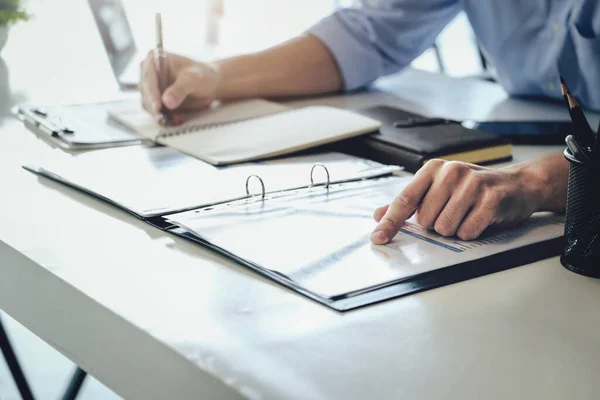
(172,84)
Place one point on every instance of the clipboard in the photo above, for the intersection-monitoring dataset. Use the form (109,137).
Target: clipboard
(77,127)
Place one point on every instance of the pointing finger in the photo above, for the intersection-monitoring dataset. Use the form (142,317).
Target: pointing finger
(405,204)
(380,212)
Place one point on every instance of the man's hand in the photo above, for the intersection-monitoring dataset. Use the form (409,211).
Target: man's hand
(301,66)
(455,198)
(190,84)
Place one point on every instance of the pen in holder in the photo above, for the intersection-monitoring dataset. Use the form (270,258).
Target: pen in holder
(582,222)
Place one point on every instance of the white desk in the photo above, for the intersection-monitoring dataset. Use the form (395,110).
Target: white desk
(154,317)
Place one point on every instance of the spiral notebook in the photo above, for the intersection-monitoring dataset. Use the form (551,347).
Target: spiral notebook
(249,130)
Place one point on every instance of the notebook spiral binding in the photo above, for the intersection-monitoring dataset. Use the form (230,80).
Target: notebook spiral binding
(186,129)
(183,130)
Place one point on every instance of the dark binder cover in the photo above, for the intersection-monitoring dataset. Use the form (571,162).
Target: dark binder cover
(412,144)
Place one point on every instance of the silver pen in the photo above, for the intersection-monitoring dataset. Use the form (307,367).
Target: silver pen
(161,66)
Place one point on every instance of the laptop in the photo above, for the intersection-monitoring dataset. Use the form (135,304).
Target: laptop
(118,40)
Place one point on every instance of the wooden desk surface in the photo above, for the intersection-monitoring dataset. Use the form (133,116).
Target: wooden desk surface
(153,316)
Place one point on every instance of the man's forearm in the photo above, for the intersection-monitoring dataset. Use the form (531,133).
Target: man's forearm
(301,66)
(547,177)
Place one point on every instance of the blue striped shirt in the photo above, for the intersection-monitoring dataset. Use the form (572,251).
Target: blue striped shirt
(529,42)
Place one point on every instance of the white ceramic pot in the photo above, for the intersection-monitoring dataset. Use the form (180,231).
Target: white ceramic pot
(3,36)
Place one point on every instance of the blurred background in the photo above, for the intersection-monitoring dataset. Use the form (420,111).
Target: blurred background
(205,29)
(219,28)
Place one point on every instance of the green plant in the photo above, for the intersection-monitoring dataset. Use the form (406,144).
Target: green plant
(11,11)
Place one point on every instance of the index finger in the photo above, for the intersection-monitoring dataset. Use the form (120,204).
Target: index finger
(149,86)
(404,205)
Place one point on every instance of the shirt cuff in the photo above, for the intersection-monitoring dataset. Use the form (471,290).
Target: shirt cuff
(353,58)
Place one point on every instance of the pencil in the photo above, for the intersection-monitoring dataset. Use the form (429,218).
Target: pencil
(564,89)
(577,116)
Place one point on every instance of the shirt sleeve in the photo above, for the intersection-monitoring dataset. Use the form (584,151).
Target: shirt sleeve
(380,37)
(580,64)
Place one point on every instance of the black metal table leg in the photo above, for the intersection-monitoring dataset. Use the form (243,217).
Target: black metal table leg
(14,366)
(75,384)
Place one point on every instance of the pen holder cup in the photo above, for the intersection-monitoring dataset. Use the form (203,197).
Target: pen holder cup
(582,222)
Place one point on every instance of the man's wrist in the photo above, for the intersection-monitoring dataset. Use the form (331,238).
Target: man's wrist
(235,78)
(215,66)
(544,181)
(536,184)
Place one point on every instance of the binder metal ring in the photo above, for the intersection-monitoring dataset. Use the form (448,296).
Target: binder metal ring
(312,170)
(262,184)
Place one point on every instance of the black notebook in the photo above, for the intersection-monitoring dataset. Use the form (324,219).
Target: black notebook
(411,140)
